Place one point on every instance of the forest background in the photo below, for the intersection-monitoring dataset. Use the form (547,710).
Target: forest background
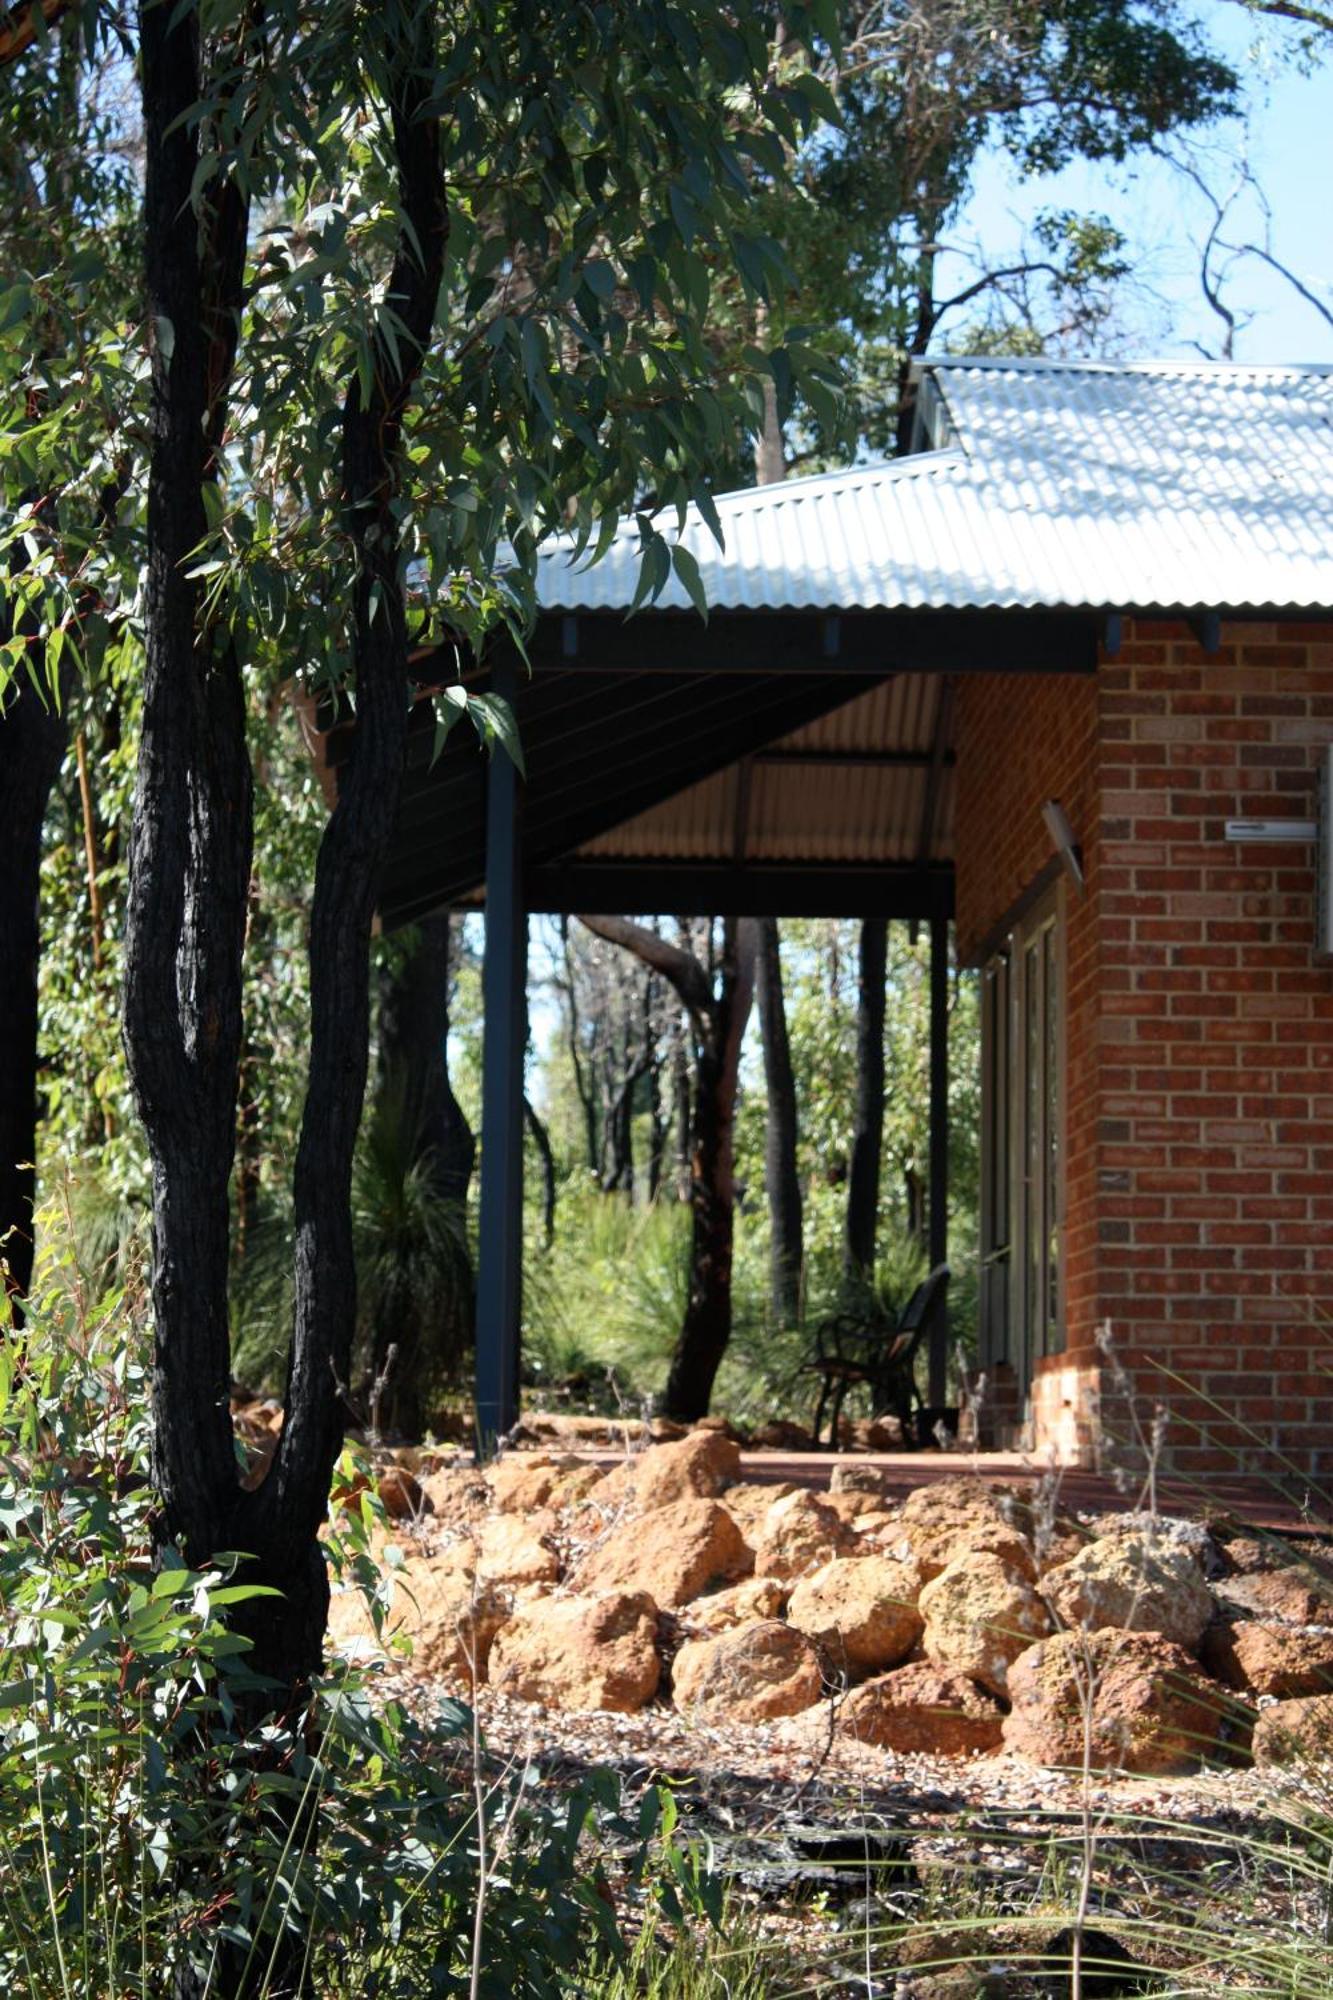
(1177,215)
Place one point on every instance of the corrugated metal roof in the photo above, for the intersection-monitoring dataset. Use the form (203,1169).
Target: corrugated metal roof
(1145,486)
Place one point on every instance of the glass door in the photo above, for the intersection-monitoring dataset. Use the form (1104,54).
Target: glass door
(1022,1212)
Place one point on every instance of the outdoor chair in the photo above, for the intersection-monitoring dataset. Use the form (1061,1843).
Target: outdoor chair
(870,1350)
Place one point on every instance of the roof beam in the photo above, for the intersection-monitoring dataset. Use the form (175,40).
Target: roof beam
(774,643)
(434,861)
(740,832)
(849,760)
(754,889)
(930,810)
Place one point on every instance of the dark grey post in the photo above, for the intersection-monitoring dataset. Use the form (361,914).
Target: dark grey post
(938,1212)
(504,1040)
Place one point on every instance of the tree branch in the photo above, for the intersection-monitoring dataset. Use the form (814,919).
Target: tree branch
(1276,264)
(992,278)
(680,968)
(1290,10)
(22,25)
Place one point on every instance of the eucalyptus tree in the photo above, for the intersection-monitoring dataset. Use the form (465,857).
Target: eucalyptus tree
(717,1001)
(926,90)
(66,383)
(782,1178)
(417,297)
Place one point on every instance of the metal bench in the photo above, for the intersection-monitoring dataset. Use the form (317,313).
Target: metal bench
(871,1350)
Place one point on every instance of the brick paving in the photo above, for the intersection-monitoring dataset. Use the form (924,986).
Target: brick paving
(1259,1502)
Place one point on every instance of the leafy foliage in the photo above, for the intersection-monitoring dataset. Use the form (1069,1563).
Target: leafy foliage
(141,1823)
(926,93)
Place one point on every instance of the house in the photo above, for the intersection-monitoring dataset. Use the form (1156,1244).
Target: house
(1065,676)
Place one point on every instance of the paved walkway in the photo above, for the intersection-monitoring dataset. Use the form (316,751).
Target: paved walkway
(1254,1500)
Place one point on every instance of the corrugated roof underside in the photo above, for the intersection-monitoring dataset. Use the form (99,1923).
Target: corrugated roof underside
(1076,487)
(802,809)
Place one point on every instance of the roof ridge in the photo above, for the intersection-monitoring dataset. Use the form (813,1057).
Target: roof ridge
(1037,364)
(910,465)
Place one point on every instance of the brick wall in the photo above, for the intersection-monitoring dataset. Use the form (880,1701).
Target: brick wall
(1217,1050)
(1200,1033)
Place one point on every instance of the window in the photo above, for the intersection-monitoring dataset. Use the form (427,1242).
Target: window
(1022,1205)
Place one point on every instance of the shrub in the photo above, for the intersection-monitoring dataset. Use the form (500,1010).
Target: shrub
(151,1827)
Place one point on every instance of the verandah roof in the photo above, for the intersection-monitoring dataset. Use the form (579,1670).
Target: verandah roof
(794,753)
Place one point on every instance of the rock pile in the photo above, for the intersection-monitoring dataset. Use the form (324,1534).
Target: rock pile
(964,1619)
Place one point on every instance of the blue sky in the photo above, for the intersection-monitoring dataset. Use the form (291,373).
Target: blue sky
(1289,144)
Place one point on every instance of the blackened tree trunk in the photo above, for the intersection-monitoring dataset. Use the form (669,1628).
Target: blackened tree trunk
(190,858)
(868,1137)
(718,1019)
(191,838)
(681,1108)
(618,1127)
(707,1325)
(413,1058)
(292,1502)
(32,746)
(423,1131)
(781,1173)
(657,1116)
(541,1139)
(583,1084)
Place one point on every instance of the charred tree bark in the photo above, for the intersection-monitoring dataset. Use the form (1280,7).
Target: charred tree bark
(541,1139)
(707,1325)
(190,866)
(413,1059)
(191,839)
(424,1131)
(293,1499)
(782,1177)
(868,1139)
(190,859)
(32,746)
(719,1019)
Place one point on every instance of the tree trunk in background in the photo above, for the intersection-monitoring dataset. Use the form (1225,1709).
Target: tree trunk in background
(770,452)
(682,1099)
(32,746)
(541,1139)
(706,1328)
(657,1119)
(868,1139)
(718,1019)
(424,1129)
(583,1085)
(781,1176)
(253,1057)
(414,1059)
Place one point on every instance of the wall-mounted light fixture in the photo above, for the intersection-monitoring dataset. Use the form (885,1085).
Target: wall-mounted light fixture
(1273,829)
(1063,841)
(1304,832)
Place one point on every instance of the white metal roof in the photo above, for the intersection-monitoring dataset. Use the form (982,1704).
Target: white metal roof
(1148,485)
